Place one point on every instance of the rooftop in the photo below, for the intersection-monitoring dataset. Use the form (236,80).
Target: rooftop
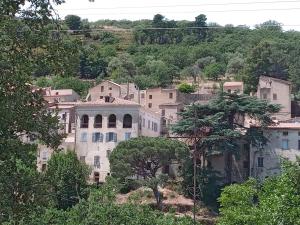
(111,102)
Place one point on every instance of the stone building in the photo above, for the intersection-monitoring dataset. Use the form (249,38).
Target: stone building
(100,126)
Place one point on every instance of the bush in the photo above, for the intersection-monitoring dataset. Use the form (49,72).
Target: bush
(186,88)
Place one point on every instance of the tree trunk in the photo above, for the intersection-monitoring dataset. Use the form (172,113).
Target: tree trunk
(158,197)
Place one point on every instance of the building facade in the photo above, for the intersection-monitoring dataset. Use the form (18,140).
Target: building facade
(100,126)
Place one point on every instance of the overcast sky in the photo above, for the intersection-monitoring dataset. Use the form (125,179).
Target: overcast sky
(236,12)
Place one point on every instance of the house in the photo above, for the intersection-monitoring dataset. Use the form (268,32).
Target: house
(127,91)
(150,123)
(284,143)
(61,95)
(100,126)
(233,86)
(276,91)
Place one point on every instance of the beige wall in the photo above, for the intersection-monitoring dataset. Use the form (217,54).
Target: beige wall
(147,121)
(273,152)
(90,149)
(277,92)
(160,96)
(109,89)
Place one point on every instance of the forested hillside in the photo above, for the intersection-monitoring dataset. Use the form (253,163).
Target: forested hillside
(156,52)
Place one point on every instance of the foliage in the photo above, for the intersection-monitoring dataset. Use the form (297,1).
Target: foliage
(100,208)
(208,184)
(276,201)
(67,177)
(216,126)
(58,82)
(214,71)
(186,88)
(73,22)
(143,158)
(23,112)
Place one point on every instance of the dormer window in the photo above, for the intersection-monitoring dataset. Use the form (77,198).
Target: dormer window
(56,93)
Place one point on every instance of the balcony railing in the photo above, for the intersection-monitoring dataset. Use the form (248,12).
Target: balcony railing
(84,125)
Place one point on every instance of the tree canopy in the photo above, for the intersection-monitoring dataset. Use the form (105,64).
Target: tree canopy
(144,157)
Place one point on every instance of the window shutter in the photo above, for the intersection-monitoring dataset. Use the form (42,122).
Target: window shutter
(101,137)
(94,137)
(115,137)
(107,137)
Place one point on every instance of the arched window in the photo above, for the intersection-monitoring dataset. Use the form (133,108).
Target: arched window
(98,121)
(127,121)
(112,121)
(84,121)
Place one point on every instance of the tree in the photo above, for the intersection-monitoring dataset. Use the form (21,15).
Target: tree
(186,88)
(73,22)
(216,126)
(143,158)
(101,208)
(67,177)
(159,71)
(276,201)
(200,21)
(122,68)
(23,111)
(214,71)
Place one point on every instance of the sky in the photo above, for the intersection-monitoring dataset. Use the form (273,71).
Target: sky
(236,12)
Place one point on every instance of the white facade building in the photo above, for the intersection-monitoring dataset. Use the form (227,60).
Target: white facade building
(100,126)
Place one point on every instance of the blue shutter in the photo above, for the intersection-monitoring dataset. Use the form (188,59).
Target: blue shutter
(101,137)
(94,137)
(115,137)
(107,137)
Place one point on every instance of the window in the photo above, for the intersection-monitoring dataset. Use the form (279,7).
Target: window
(144,121)
(152,126)
(298,133)
(150,96)
(127,121)
(102,88)
(84,121)
(96,177)
(163,112)
(285,144)
(45,155)
(285,133)
(83,137)
(265,96)
(155,127)
(149,105)
(97,137)
(260,161)
(101,97)
(108,152)
(107,98)
(229,91)
(97,161)
(170,95)
(44,167)
(298,144)
(142,95)
(274,96)
(111,137)
(149,124)
(112,121)
(98,121)
(131,96)
(110,88)
(164,122)
(127,136)
(82,159)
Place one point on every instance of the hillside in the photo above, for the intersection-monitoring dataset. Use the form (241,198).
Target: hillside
(155,53)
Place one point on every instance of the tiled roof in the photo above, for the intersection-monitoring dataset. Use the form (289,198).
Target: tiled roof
(60,92)
(113,102)
(233,83)
(286,126)
(275,79)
